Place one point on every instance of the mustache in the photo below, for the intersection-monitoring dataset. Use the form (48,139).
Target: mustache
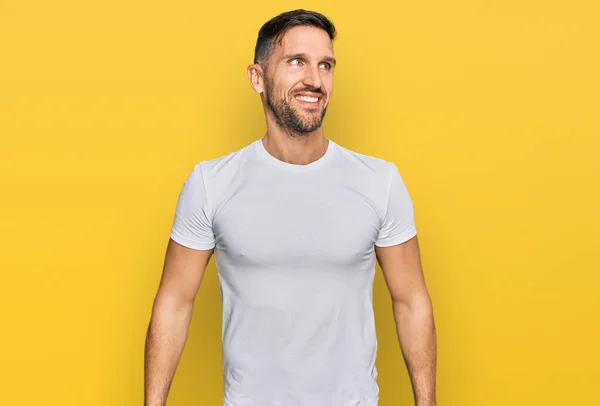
(311,90)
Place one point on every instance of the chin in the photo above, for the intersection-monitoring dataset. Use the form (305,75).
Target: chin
(312,128)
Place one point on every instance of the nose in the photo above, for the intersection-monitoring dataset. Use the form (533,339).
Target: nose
(312,77)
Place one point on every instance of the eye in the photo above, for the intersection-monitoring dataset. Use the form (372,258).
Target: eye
(326,65)
(295,60)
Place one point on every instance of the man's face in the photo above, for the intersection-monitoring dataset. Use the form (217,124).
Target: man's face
(299,79)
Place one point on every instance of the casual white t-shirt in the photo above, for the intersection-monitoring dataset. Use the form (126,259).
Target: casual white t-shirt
(294,250)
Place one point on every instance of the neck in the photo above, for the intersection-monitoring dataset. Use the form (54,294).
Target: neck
(298,149)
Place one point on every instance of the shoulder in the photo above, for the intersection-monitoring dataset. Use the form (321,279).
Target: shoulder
(220,168)
(213,176)
(223,163)
(367,165)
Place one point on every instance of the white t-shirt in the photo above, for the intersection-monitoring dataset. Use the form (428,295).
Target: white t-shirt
(294,250)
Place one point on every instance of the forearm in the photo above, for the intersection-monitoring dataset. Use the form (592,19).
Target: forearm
(417,336)
(165,340)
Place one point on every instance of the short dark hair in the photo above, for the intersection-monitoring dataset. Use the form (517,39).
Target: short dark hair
(272,32)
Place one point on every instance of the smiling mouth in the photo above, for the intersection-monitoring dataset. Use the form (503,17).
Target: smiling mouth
(307,99)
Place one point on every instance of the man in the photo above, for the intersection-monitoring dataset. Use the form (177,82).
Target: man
(296,222)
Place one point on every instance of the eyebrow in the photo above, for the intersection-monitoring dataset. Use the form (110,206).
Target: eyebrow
(329,59)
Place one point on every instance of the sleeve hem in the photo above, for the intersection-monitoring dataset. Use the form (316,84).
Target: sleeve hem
(196,245)
(398,239)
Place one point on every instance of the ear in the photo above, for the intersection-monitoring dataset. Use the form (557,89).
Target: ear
(255,75)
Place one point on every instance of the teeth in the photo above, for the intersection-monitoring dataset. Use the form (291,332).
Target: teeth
(307,99)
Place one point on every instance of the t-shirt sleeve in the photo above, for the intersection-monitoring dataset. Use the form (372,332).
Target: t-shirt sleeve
(192,226)
(398,224)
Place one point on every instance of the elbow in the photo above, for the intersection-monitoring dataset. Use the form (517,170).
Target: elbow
(417,302)
(166,304)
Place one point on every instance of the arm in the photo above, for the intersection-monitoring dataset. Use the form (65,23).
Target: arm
(413,314)
(171,314)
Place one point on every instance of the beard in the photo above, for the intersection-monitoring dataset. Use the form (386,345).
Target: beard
(290,120)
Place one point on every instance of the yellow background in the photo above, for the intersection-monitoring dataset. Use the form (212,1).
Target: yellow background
(490,109)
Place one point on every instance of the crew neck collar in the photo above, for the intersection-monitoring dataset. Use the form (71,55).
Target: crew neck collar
(265,156)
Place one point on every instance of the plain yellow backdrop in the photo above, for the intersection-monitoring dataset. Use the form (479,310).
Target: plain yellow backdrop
(490,109)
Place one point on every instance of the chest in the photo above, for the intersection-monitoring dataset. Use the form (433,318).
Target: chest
(334,223)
